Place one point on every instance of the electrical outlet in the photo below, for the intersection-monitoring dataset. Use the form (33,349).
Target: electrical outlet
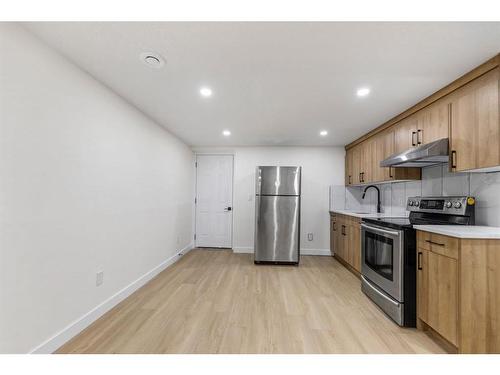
(310,236)
(99,278)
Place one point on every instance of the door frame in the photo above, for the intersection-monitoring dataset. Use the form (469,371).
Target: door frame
(196,191)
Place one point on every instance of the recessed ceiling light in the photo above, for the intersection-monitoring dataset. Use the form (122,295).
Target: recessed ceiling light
(206,92)
(226,133)
(363,91)
(152,59)
(323,133)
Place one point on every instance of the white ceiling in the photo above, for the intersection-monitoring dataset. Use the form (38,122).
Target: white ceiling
(273,83)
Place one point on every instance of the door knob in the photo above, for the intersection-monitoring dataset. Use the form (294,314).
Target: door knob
(227,209)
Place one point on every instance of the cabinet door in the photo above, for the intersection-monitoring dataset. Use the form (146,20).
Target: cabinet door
(332,236)
(355,245)
(475,126)
(379,173)
(405,134)
(433,122)
(342,242)
(442,294)
(337,237)
(388,151)
(367,160)
(348,243)
(356,164)
(348,167)
(487,131)
(423,284)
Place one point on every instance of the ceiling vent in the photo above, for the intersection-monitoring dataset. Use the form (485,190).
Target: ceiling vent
(152,59)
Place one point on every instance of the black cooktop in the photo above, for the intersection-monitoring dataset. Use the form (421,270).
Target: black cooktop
(390,222)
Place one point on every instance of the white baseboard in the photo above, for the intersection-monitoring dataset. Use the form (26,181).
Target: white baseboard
(321,252)
(243,250)
(60,338)
(249,250)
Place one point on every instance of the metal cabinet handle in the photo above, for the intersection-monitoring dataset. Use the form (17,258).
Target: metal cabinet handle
(413,139)
(453,159)
(390,172)
(349,180)
(419,260)
(419,141)
(435,243)
(343,230)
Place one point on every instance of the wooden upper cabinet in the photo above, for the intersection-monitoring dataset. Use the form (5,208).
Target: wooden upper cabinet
(475,124)
(367,160)
(405,134)
(348,167)
(363,161)
(425,126)
(466,112)
(384,147)
(356,164)
(433,122)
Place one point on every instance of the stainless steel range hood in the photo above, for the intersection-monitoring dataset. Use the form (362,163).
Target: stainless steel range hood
(422,156)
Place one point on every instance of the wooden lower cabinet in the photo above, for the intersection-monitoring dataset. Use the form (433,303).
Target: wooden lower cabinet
(458,291)
(438,290)
(332,233)
(354,244)
(345,240)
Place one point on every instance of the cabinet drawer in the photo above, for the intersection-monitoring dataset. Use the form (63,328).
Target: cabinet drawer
(423,239)
(355,220)
(439,244)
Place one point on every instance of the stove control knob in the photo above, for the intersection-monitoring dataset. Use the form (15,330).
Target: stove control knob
(458,205)
(410,203)
(448,204)
(416,203)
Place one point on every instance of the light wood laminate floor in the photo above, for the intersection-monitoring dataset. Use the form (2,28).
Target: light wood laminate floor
(215,301)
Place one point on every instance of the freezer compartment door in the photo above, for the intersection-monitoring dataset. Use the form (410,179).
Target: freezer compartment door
(277,228)
(278,180)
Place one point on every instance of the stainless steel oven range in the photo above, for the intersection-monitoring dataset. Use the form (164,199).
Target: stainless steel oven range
(388,252)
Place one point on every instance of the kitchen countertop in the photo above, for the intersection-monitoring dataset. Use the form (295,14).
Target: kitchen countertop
(364,214)
(462,231)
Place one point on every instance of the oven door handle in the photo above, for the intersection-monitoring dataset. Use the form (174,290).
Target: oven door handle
(369,284)
(379,230)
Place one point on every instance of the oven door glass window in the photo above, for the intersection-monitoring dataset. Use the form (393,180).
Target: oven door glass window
(379,254)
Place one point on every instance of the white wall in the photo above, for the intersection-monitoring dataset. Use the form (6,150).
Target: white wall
(321,167)
(87,183)
(436,181)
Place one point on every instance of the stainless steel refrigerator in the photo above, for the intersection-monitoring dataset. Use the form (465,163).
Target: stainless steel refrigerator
(277,215)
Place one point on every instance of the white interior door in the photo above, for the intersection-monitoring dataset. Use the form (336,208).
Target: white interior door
(214,200)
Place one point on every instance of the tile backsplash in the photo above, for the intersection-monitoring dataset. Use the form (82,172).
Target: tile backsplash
(436,181)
